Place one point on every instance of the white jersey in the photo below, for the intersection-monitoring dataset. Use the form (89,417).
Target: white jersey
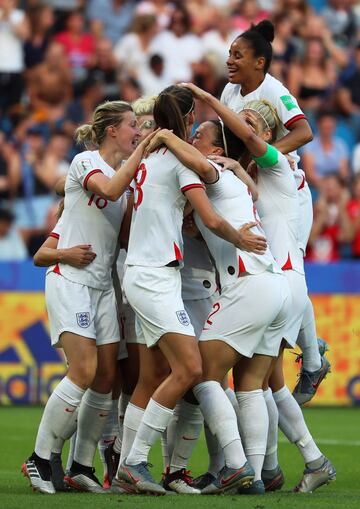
(278,208)
(90,219)
(159,201)
(198,277)
(231,199)
(306,208)
(271,90)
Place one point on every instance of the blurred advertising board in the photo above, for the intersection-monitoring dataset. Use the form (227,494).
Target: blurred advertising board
(30,367)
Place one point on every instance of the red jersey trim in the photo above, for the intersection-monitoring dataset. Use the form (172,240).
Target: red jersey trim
(302,183)
(294,119)
(57,269)
(288,264)
(90,174)
(178,255)
(242,268)
(192,186)
(55,235)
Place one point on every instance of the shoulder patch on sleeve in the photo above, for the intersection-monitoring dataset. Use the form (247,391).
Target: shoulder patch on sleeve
(86,164)
(288,102)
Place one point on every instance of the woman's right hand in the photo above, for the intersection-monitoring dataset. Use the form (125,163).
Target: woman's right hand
(157,140)
(78,256)
(144,144)
(248,241)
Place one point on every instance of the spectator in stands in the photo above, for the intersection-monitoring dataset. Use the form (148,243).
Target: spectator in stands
(133,50)
(332,226)
(9,171)
(49,84)
(34,196)
(348,95)
(341,20)
(353,208)
(105,69)
(247,12)
(12,247)
(14,30)
(162,9)
(41,18)
(204,16)
(178,46)
(154,78)
(55,162)
(326,154)
(79,44)
(284,48)
(110,18)
(311,80)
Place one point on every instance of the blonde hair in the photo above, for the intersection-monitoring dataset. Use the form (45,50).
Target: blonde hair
(144,105)
(109,113)
(268,114)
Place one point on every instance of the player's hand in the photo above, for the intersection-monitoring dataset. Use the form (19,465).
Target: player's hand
(197,92)
(145,142)
(156,141)
(226,162)
(78,256)
(248,241)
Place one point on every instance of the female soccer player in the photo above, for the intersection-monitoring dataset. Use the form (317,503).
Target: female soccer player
(152,280)
(278,207)
(80,300)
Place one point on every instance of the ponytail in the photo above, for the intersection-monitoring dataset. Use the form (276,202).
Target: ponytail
(171,109)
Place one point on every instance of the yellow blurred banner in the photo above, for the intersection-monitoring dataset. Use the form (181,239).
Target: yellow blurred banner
(30,367)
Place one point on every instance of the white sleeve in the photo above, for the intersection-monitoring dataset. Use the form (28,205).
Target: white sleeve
(56,232)
(82,169)
(286,105)
(187,178)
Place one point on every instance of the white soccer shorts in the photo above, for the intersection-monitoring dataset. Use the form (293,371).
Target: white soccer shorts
(88,312)
(154,293)
(299,295)
(250,315)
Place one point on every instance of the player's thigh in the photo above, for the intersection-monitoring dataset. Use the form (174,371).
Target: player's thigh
(217,359)
(276,379)
(249,374)
(106,368)
(81,355)
(182,353)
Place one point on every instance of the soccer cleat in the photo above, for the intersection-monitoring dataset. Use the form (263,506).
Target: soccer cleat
(179,482)
(57,472)
(256,488)
(121,487)
(140,477)
(82,478)
(38,471)
(112,459)
(309,381)
(106,482)
(230,478)
(203,480)
(273,479)
(314,478)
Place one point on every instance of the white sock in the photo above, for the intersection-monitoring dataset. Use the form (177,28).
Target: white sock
(132,419)
(307,340)
(109,433)
(154,422)
(187,434)
(220,416)
(254,423)
(123,403)
(171,432)
(58,445)
(271,458)
(292,424)
(216,455)
(59,417)
(93,411)
(165,450)
(70,457)
(232,398)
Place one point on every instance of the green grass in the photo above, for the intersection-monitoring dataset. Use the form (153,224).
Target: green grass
(337,431)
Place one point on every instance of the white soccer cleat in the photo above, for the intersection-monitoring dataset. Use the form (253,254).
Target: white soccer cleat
(38,472)
(180,482)
(84,480)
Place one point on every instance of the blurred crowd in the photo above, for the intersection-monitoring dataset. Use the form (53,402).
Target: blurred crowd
(60,58)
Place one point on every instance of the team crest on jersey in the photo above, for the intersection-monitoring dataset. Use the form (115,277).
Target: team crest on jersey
(183,317)
(83,319)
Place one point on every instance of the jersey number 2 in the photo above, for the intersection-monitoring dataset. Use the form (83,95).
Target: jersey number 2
(140,177)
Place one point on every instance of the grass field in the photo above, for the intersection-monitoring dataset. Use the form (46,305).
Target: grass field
(336,430)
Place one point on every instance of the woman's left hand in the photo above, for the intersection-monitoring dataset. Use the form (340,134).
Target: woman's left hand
(226,162)
(157,139)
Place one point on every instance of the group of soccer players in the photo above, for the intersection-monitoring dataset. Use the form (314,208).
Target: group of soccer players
(213,282)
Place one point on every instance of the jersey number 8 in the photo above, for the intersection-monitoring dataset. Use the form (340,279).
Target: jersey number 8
(140,177)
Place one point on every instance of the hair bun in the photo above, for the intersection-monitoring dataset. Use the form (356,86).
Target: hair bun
(266,29)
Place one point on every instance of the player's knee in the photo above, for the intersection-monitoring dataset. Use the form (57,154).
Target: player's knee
(83,376)
(189,373)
